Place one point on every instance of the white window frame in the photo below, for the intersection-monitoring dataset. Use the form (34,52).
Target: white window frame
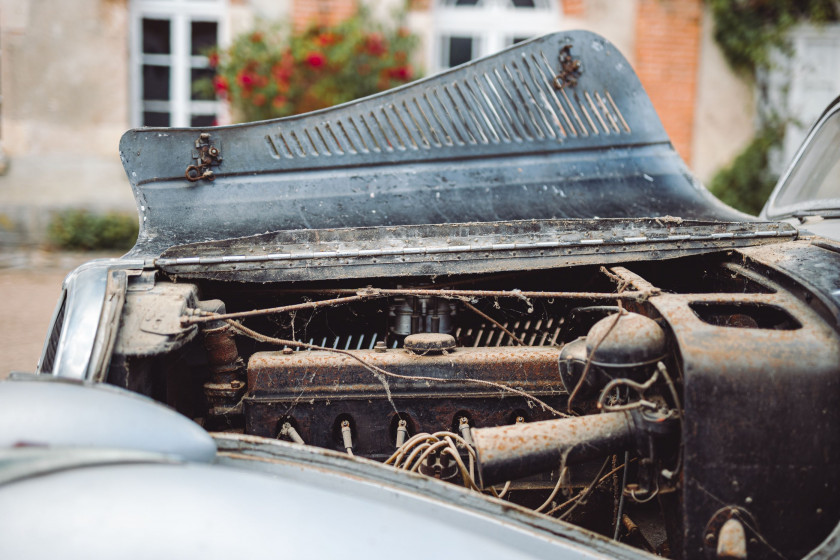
(180,13)
(492,23)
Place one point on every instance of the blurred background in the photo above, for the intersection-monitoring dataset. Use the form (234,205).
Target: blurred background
(736,84)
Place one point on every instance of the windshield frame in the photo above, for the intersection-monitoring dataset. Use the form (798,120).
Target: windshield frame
(772,208)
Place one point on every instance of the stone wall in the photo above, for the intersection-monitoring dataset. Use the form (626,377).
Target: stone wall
(64,76)
(65,105)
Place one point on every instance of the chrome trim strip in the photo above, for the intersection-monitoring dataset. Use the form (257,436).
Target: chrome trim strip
(85,287)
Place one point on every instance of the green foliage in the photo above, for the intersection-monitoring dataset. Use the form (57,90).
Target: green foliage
(748,30)
(271,72)
(80,230)
(747,183)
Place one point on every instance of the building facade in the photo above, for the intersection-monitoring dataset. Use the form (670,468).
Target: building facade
(76,74)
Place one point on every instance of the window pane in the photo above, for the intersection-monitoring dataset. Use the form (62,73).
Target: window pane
(460,50)
(523,3)
(204,36)
(155,82)
(155,119)
(202,121)
(156,36)
(203,91)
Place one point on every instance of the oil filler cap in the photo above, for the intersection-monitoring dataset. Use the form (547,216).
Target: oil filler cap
(429,343)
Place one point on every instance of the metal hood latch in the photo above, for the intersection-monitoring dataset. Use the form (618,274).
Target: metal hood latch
(205,155)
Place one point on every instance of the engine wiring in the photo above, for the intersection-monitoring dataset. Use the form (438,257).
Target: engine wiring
(620,509)
(560,477)
(198,316)
(430,453)
(640,389)
(584,494)
(412,454)
(581,496)
(588,365)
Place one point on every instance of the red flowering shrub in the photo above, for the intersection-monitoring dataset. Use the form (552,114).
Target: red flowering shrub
(270,72)
(315,59)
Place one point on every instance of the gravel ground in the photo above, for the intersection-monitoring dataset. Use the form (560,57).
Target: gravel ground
(30,283)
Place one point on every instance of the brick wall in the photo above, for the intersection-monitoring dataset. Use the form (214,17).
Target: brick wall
(326,12)
(574,8)
(667,58)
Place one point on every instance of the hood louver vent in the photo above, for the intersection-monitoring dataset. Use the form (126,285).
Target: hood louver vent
(558,127)
(511,101)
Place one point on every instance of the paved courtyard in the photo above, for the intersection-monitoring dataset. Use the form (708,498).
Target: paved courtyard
(30,283)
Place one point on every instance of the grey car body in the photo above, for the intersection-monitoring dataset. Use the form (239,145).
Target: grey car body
(808,194)
(282,268)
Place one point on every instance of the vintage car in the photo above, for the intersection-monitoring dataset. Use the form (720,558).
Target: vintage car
(490,312)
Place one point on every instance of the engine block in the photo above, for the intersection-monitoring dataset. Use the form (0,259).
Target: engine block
(316,391)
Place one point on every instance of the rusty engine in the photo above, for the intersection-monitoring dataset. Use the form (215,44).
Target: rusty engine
(632,400)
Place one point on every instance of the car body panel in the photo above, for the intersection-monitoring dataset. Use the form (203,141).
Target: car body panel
(53,412)
(513,136)
(151,484)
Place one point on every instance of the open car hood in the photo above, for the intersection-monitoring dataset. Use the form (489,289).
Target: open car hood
(556,128)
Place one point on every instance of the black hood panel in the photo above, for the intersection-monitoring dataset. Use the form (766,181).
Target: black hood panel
(518,135)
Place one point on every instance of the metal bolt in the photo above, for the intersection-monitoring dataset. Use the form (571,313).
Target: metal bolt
(380,346)
(520,419)
(287,351)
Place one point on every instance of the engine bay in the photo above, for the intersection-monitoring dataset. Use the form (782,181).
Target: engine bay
(631,400)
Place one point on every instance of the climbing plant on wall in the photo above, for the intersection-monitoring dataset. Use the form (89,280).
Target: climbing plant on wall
(747,182)
(748,30)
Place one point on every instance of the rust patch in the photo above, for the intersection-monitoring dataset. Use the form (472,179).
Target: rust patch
(570,69)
